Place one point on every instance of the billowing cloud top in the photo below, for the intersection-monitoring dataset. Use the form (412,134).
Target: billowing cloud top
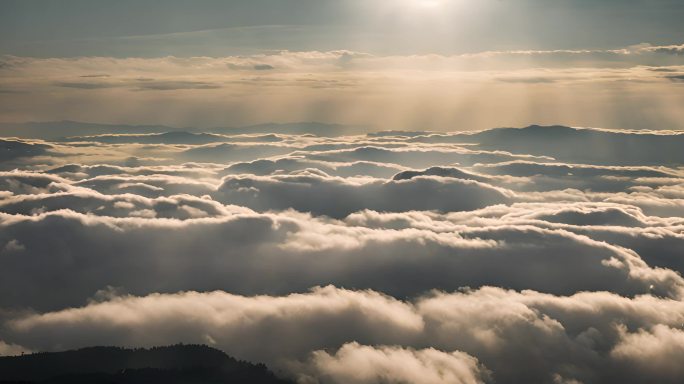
(541,254)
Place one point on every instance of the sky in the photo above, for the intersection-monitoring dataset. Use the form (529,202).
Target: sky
(387,64)
(151,28)
(350,191)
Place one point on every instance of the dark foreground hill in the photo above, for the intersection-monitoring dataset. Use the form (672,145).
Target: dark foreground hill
(180,364)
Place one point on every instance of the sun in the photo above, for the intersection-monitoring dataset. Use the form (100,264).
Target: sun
(422,6)
(429,3)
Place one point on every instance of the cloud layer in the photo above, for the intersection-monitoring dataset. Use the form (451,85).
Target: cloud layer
(634,87)
(422,257)
(517,336)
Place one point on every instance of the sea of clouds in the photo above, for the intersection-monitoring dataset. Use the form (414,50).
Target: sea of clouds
(534,255)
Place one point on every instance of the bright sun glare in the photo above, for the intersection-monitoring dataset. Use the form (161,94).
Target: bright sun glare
(429,3)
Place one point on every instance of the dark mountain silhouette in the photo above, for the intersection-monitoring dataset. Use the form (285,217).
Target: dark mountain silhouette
(395,133)
(179,137)
(179,364)
(302,128)
(572,145)
(439,171)
(591,146)
(12,149)
(62,129)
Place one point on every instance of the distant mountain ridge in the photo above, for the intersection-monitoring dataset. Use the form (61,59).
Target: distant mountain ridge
(594,146)
(11,149)
(63,129)
(565,144)
(178,364)
(572,145)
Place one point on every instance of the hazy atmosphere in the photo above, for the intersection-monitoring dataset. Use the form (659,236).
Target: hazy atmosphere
(349,191)
(442,65)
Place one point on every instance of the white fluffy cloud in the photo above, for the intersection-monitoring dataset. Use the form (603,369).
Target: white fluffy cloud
(358,364)
(246,252)
(325,334)
(653,353)
(437,257)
